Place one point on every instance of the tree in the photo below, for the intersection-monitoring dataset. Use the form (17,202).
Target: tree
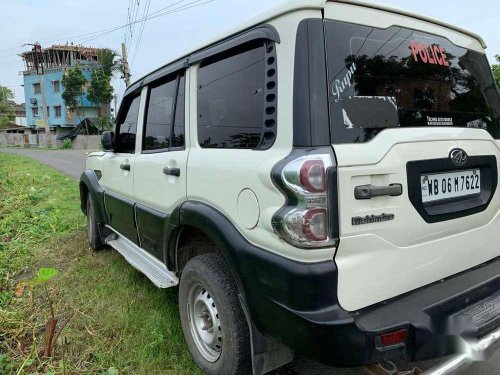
(100,91)
(73,83)
(496,71)
(110,62)
(7,115)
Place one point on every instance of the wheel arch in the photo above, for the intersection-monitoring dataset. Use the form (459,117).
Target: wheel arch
(89,187)
(242,259)
(196,219)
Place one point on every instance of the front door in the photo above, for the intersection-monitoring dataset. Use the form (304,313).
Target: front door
(118,171)
(160,168)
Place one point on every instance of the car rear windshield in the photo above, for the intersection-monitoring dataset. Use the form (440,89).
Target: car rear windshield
(398,77)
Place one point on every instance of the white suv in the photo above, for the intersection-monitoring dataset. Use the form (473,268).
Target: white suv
(323,181)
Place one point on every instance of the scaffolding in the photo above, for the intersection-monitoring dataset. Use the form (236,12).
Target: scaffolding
(57,56)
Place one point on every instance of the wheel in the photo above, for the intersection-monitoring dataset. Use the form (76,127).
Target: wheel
(213,322)
(93,232)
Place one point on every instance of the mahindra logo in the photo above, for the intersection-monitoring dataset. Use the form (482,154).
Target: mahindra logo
(458,156)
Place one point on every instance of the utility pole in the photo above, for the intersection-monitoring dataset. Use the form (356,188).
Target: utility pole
(126,71)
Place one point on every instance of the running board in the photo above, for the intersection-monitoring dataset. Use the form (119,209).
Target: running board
(142,261)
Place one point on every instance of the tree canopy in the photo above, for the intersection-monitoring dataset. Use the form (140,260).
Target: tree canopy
(73,83)
(496,71)
(7,114)
(101,91)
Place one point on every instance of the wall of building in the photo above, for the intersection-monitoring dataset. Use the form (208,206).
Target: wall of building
(54,98)
(81,142)
(21,121)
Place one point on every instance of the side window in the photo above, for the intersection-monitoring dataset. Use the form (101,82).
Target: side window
(236,95)
(164,124)
(158,123)
(126,127)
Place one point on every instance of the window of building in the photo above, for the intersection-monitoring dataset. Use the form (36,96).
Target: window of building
(231,94)
(158,128)
(36,88)
(57,110)
(34,110)
(48,111)
(56,86)
(126,127)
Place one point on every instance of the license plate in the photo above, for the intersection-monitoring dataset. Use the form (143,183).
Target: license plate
(450,185)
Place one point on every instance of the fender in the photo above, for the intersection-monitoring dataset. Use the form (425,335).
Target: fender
(271,287)
(89,182)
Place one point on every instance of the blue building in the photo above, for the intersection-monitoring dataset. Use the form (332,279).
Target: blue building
(43,74)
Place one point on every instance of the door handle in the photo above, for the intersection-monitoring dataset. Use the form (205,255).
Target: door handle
(172,171)
(372,191)
(125,166)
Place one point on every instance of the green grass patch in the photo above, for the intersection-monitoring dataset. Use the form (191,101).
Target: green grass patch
(118,321)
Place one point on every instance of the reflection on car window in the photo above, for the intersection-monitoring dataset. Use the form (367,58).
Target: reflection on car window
(397,77)
(127,129)
(231,99)
(158,125)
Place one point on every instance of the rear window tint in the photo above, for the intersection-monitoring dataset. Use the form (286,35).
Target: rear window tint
(398,77)
(231,99)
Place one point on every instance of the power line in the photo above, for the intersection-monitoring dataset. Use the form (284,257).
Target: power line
(132,25)
(100,33)
(151,16)
(141,30)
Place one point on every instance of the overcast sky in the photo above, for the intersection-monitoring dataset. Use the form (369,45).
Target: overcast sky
(49,21)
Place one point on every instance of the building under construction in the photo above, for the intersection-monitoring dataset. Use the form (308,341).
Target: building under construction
(43,74)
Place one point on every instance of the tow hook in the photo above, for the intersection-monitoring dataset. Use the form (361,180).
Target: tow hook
(389,368)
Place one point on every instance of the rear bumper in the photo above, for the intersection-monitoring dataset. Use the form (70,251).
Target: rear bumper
(448,317)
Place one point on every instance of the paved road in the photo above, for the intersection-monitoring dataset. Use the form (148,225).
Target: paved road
(72,163)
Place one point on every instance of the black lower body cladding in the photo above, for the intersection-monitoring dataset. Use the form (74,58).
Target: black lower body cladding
(297,302)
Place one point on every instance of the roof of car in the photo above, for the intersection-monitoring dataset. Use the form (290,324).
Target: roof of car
(288,6)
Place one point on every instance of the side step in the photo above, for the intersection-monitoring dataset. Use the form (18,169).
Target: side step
(144,262)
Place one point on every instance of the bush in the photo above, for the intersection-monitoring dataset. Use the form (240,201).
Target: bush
(66,144)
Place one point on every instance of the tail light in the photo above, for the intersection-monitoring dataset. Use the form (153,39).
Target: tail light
(312,176)
(305,220)
(394,338)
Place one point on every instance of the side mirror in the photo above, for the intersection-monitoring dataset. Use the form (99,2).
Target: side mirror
(107,141)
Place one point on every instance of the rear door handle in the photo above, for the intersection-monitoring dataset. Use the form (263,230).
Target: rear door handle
(172,171)
(372,191)
(125,166)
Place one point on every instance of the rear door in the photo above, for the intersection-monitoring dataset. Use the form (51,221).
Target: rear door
(414,119)
(118,170)
(160,167)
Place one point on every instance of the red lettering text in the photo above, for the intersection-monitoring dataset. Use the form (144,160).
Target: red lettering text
(437,53)
(443,54)
(433,54)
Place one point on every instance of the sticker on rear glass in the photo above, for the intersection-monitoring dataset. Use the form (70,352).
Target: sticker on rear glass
(429,54)
(374,112)
(339,86)
(439,121)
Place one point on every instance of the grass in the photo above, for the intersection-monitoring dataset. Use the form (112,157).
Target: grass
(119,322)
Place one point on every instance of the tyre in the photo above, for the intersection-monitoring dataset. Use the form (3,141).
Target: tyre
(93,231)
(213,322)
